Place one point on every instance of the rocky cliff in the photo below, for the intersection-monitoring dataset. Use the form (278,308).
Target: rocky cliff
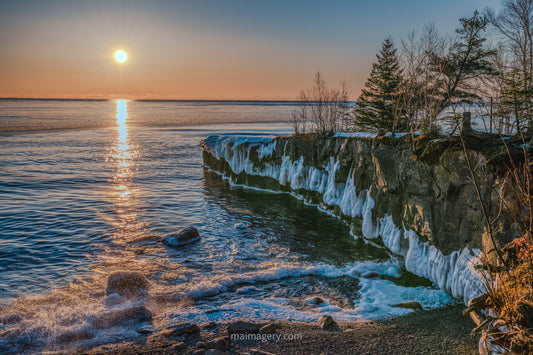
(417,196)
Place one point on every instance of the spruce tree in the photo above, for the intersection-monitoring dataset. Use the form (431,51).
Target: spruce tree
(378,106)
(466,63)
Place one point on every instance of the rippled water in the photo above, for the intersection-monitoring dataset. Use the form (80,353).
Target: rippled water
(77,205)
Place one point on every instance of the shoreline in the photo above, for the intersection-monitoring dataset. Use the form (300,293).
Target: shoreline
(441,331)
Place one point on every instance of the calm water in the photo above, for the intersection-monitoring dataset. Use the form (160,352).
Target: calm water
(79,204)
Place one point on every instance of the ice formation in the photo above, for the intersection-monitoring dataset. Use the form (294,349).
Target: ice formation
(453,273)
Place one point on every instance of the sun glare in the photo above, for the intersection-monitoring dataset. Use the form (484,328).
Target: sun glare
(121,56)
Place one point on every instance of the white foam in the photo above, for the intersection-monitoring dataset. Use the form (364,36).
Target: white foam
(377,296)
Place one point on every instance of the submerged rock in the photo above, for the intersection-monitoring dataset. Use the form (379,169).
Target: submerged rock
(114,299)
(409,305)
(327,323)
(247,289)
(11,319)
(244,327)
(371,275)
(315,301)
(240,226)
(112,319)
(97,294)
(145,329)
(127,284)
(184,236)
(75,335)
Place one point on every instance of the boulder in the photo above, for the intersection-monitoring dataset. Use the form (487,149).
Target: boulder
(127,284)
(327,323)
(184,236)
(239,327)
(112,319)
(181,329)
(409,305)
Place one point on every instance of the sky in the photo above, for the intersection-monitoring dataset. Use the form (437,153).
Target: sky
(203,49)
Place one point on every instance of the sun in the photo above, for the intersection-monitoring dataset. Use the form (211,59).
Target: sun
(121,56)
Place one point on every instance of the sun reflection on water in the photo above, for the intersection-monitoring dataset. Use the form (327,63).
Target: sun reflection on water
(123,158)
(123,196)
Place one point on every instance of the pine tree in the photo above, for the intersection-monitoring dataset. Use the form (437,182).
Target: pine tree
(378,106)
(465,64)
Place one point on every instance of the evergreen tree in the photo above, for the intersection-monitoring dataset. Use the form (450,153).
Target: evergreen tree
(465,64)
(378,106)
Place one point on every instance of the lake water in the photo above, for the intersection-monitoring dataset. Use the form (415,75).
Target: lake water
(88,188)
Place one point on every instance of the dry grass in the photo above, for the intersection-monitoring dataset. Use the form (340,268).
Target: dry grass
(509,300)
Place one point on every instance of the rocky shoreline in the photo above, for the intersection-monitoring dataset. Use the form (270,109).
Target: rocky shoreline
(440,331)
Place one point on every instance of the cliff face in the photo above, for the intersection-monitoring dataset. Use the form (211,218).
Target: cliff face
(423,205)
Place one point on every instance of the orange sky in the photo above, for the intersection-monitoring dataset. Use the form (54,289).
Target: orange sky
(199,49)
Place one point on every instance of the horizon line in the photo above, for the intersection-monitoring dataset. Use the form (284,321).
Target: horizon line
(146,100)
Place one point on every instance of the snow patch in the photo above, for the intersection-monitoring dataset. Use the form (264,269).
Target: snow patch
(355,135)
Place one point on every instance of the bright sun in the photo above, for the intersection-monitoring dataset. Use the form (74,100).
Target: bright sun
(121,56)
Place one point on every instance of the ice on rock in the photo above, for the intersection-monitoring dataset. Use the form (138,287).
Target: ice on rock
(331,194)
(266,150)
(291,173)
(454,273)
(351,204)
(368,226)
(229,148)
(392,236)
